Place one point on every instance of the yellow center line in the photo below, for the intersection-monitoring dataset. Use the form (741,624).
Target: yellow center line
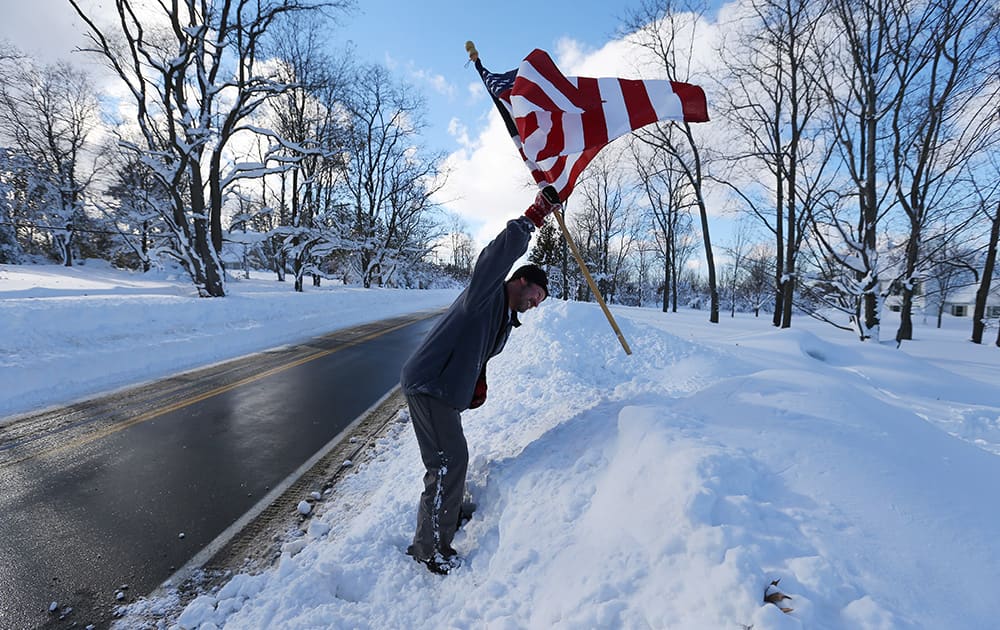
(149,415)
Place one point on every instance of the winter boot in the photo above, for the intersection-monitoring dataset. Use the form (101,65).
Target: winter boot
(441,563)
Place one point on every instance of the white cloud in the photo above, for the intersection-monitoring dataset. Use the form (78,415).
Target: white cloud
(421,77)
(488,184)
(475,91)
(390,62)
(48,30)
(460,132)
(437,82)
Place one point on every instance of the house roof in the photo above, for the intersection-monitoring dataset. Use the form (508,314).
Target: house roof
(967,294)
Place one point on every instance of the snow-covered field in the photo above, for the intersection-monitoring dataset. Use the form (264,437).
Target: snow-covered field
(663,490)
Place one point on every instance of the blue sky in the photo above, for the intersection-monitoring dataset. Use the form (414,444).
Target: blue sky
(424,42)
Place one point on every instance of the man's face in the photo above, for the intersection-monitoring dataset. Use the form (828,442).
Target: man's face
(529,295)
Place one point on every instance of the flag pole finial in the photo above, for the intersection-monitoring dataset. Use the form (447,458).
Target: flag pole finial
(471,49)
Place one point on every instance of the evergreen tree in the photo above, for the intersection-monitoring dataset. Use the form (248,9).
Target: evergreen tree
(547,252)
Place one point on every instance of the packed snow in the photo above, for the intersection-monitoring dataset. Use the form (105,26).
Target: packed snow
(667,489)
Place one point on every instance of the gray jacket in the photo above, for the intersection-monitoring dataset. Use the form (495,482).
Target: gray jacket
(475,328)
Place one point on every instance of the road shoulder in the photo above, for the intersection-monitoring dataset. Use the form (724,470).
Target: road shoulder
(254,543)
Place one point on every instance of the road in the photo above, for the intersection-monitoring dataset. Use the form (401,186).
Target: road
(114,494)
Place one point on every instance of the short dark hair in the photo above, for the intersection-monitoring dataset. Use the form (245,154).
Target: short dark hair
(533,274)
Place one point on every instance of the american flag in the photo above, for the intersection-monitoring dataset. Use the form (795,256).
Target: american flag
(560,123)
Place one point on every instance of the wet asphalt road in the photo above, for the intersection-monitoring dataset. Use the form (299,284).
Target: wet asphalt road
(124,490)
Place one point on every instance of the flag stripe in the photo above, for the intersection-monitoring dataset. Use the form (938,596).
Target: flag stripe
(578,166)
(613,107)
(640,109)
(666,102)
(538,88)
(539,68)
(692,98)
(595,125)
(559,123)
(527,98)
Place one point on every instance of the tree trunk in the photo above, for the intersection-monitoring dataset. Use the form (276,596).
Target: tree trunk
(779,258)
(786,302)
(871,314)
(982,295)
(791,240)
(710,260)
(732,297)
(213,284)
(215,201)
(666,284)
(905,332)
(870,221)
(673,285)
(67,247)
(145,247)
(298,260)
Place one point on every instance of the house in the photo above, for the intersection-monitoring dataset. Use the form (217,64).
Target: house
(962,301)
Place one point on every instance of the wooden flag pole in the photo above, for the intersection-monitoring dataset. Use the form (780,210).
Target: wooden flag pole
(474,56)
(590,281)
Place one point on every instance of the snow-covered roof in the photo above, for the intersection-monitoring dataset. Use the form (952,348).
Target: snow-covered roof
(967,295)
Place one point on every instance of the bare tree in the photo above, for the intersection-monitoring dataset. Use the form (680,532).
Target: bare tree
(667,192)
(25,196)
(668,30)
(758,286)
(988,198)
(606,219)
(738,250)
(860,82)
(307,116)
(391,178)
(648,255)
(771,100)
(131,202)
(945,116)
(49,112)
(461,244)
(10,248)
(986,278)
(196,72)
(953,266)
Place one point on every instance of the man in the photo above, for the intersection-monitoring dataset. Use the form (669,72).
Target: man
(447,375)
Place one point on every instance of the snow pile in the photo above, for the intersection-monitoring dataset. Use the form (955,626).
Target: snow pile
(670,488)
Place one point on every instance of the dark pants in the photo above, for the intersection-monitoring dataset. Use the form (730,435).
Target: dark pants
(446,459)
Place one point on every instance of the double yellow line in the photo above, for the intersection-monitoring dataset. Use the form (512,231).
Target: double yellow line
(83,440)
